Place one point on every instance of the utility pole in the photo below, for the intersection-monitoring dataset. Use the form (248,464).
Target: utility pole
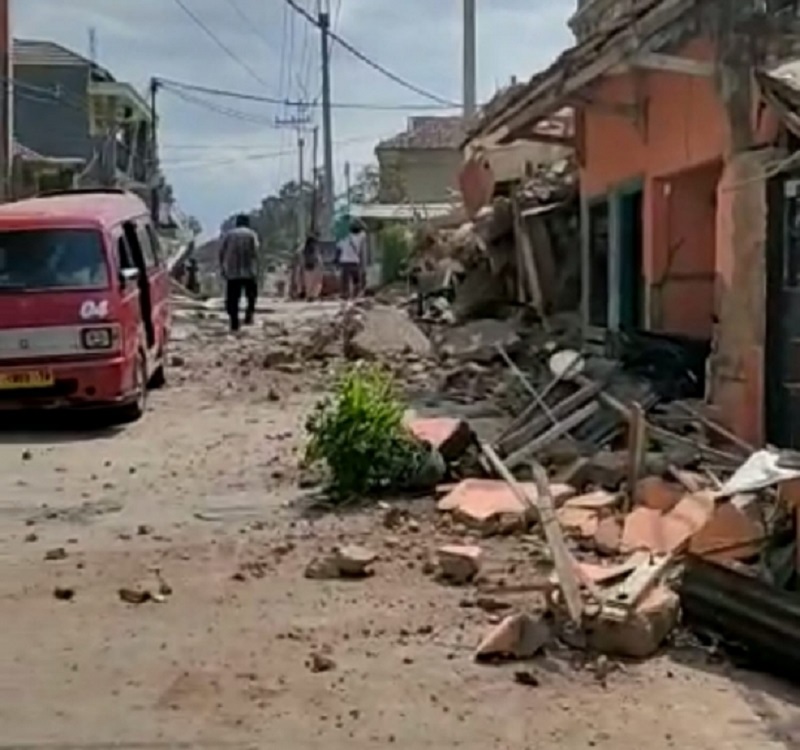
(300,123)
(327,127)
(155,181)
(315,181)
(6,105)
(470,55)
(348,186)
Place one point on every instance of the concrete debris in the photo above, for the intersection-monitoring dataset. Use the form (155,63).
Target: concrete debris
(478,340)
(459,564)
(516,637)
(135,595)
(640,635)
(64,593)
(608,536)
(319,663)
(59,553)
(386,331)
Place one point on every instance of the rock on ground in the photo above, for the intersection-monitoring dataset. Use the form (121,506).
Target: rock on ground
(385,332)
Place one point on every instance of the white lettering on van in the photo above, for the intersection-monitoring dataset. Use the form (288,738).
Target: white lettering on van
(91,310)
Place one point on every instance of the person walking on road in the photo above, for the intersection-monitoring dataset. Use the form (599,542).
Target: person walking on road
(352,260)
(238,259)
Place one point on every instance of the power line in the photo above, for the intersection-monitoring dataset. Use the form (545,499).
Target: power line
(248,22)
(224,47)
(369,61)
(236,114)
(170,83)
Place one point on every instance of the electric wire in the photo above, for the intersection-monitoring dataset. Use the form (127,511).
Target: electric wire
(368,60)
(224,47)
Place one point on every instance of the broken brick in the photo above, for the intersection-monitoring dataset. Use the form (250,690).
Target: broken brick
(600,501)
(578,522)
(481,501)
(657,494)
(460,564)
(451,437)
(608,537)
(516,637)
(666,533)
(641,634)
(731,534)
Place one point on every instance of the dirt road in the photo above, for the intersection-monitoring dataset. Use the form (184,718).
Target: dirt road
(204,488)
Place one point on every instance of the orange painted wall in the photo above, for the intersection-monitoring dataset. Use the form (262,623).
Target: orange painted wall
(685,127)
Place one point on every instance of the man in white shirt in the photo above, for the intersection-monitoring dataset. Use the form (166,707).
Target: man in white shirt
(352,260)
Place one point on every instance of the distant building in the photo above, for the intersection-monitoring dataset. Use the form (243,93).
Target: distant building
(421,164)
(74,123)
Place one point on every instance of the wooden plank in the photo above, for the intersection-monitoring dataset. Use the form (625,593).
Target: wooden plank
(637,444)
(529,450)
(717,428)
(543,505)
(621,601)
(519,437)
(525,253)
(672,64)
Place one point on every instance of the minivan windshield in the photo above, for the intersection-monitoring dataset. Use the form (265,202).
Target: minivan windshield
(36,259)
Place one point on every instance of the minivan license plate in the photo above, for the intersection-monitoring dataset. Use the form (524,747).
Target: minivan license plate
(27,379)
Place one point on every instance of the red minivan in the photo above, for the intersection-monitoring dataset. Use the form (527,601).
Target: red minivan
(84,303)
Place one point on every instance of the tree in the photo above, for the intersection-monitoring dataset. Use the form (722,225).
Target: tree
(366,187)
(275,221)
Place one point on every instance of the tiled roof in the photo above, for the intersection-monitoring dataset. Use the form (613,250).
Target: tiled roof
(36,52)
(427,133)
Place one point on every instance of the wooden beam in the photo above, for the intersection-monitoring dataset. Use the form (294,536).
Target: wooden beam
(672,64)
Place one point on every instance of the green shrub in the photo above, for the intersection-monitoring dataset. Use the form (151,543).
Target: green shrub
(359,433)
(396,248)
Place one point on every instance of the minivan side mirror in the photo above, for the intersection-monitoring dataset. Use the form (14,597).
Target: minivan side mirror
(128,277)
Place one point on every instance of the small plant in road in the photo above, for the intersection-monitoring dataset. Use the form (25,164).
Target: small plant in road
(359,433)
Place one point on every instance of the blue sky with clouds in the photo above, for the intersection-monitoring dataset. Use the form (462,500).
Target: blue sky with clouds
(220,163)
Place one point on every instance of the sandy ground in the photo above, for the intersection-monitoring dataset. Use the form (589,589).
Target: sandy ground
(204,488)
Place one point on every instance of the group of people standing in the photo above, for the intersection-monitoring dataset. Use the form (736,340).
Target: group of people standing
(239,267)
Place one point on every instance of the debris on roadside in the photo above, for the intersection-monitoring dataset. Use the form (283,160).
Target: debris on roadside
(58,553)
(64,593)
(518,637)
(319,663)
(351,561)
(459,564)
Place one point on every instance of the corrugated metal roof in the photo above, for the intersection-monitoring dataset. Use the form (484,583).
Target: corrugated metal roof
(36,52)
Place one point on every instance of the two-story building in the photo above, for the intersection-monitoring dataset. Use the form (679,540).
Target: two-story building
(686,128)
(74,123)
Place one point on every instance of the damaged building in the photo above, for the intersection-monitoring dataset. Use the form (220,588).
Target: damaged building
(685,136)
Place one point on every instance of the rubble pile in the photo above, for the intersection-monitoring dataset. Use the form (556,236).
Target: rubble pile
(520,250)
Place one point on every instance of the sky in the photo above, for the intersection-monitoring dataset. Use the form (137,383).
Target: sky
(223,162)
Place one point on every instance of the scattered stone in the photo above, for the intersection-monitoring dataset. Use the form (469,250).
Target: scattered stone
(27,455)
(354,561)
(177,361)
(491,605)
(321,569)
(319,663)
(394,517)
(135,596)
(384,332)
(516,637)
(144,530)
(459,564)
(350,561)
(526,677)
(273,395)
(64,593)
(31,538)
(59,553)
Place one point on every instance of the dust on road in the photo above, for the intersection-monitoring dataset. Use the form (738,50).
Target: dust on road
(204,489)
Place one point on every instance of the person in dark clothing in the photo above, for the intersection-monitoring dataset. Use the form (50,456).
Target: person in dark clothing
(239,268)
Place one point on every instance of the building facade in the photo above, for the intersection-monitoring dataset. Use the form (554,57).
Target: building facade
(685,159)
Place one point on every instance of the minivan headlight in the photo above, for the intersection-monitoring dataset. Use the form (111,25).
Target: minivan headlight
(98,338)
